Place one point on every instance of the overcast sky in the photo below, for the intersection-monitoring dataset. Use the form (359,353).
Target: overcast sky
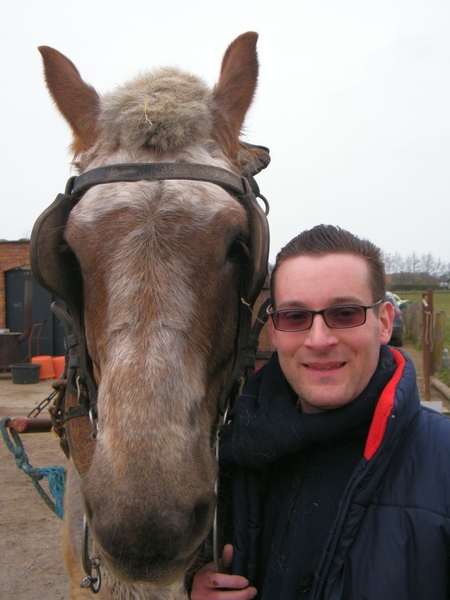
(353,101)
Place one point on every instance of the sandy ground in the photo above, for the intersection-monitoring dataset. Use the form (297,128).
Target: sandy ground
(31,565)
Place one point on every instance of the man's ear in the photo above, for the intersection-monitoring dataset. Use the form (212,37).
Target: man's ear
(386,322)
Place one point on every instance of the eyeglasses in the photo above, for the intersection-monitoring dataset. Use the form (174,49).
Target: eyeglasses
(343,316)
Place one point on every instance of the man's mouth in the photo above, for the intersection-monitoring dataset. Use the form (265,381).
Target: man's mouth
(327,367)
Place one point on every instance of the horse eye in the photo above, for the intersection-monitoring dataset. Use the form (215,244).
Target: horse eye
(238,251)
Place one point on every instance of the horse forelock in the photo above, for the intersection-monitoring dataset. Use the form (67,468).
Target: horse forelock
(164,109)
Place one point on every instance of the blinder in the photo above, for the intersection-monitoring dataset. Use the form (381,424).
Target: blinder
(55,266)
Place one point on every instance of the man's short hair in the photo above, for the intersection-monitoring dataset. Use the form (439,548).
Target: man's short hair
(329,239)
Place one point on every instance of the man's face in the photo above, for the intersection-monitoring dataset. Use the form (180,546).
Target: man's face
(329,368)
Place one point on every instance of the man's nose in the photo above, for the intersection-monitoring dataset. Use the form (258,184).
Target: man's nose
(319,333)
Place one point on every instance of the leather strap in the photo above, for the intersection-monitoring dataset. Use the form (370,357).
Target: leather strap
(79,435)
(81,396)
(130,172)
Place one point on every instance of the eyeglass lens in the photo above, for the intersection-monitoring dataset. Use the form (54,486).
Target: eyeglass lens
(339,317)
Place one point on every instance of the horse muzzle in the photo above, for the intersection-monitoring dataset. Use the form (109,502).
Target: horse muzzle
(149,541)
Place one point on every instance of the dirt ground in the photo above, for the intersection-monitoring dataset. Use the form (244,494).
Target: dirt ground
(31,566)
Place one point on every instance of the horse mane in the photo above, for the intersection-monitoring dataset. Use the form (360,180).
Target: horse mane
(163,110)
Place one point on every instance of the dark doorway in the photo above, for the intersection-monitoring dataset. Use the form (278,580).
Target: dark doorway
(47,339)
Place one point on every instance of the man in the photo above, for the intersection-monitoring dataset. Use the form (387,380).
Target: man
(340,479)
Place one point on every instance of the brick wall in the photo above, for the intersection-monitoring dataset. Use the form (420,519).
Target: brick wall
(12,255)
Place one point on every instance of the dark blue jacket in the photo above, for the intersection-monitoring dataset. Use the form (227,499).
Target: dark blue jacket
(390,534)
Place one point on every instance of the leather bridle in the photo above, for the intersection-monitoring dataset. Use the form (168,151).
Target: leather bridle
(74,412)
(59,272)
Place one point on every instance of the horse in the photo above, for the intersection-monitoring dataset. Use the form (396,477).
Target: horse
(159,249)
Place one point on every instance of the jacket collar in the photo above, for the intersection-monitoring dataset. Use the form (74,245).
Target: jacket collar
(268,426)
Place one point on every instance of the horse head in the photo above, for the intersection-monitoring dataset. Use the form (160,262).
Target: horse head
(163,262)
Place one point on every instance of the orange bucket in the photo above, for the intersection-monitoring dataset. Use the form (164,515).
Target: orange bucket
(47,371)
(59,363)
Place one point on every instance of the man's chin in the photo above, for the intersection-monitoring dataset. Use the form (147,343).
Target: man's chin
(322,402)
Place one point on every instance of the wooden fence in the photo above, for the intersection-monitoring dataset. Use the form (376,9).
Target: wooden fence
(413,326)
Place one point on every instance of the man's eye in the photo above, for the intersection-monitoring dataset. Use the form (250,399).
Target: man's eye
(345,312)
(295,316)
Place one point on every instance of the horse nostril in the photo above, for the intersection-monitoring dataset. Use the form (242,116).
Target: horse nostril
(202,517)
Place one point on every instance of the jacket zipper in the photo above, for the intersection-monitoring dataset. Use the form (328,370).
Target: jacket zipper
(298,489)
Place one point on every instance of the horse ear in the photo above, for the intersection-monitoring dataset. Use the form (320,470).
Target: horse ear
(252,159)
(234,91)
(77,101)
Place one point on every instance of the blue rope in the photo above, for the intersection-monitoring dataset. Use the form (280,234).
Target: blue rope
(56,475)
